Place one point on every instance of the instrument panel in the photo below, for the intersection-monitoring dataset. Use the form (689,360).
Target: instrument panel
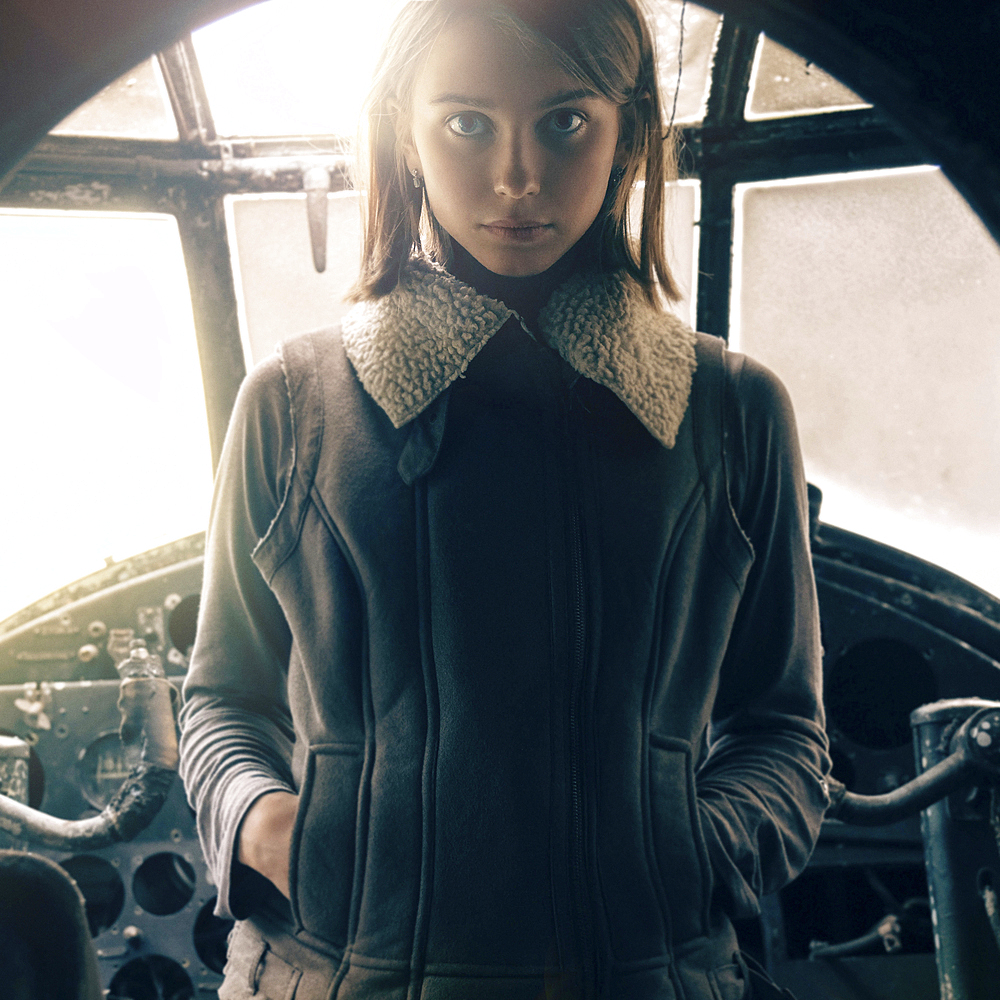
(150,902)
(889,646)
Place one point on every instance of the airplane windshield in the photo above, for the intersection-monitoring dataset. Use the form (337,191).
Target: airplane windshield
(871,293)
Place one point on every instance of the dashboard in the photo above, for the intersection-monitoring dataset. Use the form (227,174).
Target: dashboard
(897,633)
(149,902)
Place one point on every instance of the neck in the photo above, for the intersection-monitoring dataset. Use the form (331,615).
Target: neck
(525,296)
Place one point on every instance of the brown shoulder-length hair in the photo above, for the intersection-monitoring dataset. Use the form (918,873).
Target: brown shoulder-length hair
(608,46)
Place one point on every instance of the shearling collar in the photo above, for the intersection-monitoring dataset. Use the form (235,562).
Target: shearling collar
(410,345)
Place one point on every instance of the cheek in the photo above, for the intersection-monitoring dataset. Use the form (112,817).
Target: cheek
(449,178)
(584,181)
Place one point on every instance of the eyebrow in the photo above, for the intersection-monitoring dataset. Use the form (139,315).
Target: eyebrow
(580,94)
(562,97)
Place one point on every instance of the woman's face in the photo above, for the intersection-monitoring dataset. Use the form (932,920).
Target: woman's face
(515,154)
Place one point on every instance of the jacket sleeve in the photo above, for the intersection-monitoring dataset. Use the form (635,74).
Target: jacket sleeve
(236,731)
(762,789)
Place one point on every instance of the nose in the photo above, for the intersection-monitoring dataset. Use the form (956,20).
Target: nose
(518,169)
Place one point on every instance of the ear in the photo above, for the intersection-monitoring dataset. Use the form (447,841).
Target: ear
(404,137)
(411,156)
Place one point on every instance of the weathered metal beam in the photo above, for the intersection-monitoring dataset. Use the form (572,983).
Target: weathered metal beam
(186,90)
(213,298)
(731,73)
(727,99)
(263,173)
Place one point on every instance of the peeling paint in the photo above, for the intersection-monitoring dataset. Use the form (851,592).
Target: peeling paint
(94,193)
(11,826)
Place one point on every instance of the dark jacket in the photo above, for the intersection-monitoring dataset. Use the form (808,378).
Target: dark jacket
(547,686)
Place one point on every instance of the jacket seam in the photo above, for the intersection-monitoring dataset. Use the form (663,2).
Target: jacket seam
(716,435)
(365,749)
(652,865)
(726,451)
(291,475)
(295,475)
(421,923)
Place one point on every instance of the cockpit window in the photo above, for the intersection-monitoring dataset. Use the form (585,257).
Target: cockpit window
(301,67)
(135,106)
(106,440)
(874,297)
(278,290)
(868,292)
(692,64)
(782,84)
(290,67)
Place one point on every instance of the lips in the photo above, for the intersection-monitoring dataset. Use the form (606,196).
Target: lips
(518,230)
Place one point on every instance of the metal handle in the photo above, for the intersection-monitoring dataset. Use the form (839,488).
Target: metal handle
(146,703)
(975,756)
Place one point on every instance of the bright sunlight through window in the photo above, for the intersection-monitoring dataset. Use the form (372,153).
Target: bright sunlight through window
(104,434)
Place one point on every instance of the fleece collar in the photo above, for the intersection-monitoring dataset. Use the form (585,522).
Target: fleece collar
(408,346)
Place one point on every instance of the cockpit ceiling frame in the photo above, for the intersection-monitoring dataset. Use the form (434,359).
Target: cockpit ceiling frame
(931,67)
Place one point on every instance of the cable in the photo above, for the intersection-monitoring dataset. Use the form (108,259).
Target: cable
(680,66)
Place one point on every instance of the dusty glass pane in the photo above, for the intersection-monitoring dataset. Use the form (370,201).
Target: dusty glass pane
(102,411)
(280,294)
(701,32)
(783,83)
(302,67)
(135,106)
(291,67)
(682,213)
(875,298)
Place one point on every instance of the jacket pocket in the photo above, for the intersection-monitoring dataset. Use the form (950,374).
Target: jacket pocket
(729,982)
(678,845)
(321,868)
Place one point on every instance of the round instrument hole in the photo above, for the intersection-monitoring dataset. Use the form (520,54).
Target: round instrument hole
(182,623)
(152,977)
(872,688)
(102,888)
(211,934)
(163,883)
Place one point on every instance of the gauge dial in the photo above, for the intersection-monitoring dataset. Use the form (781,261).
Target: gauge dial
(103,766)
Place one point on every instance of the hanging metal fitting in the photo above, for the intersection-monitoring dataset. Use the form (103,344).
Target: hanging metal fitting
(316,184)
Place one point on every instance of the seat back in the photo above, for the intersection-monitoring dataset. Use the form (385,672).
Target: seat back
(44,937)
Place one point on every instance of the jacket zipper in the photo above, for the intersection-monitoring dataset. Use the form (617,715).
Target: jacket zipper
(578,649)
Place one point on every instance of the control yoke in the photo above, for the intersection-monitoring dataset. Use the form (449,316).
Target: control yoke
(148,733)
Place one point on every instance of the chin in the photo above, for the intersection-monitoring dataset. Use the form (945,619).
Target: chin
(518,267)
(518,272)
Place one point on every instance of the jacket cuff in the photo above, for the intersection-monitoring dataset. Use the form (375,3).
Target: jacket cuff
(239,887)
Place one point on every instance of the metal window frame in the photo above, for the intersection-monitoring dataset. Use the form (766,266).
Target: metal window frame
(189,178)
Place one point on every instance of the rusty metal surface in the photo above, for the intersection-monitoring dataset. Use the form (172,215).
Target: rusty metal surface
(137,575)
(132,810)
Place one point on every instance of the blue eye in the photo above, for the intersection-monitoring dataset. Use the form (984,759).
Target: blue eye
(467,124)
(565,122)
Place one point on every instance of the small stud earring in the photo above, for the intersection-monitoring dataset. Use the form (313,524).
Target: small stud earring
(417,179)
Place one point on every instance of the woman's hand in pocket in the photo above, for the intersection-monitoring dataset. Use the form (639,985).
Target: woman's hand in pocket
(265,837)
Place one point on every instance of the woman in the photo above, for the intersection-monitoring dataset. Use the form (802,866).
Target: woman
(507,670)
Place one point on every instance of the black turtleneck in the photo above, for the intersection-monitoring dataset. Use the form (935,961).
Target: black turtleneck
(526,296)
